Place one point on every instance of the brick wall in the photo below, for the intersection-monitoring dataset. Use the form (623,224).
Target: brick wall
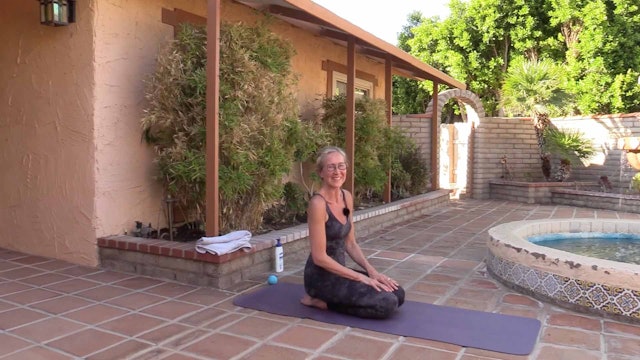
(605,131)
(515,138)
(418,128)
(495,137)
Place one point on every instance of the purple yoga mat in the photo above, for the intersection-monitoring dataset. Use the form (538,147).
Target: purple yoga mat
(483,330)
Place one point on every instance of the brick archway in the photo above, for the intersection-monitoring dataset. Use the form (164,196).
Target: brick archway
(471,101)
(454,150)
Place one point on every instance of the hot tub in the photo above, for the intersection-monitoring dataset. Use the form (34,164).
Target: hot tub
(578,282)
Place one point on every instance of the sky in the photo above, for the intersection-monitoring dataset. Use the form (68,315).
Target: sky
(384,18)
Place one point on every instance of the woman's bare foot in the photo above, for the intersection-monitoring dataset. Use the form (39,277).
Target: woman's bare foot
(313,302)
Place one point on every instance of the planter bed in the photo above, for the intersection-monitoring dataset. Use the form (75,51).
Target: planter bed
(531,192)
(596,200)
(179,261)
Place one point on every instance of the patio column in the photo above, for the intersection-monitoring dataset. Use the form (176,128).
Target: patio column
(212,212)
(388,98)
(351,110)
(435,144)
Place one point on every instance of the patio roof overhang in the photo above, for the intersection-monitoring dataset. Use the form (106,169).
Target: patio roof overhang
(315,19)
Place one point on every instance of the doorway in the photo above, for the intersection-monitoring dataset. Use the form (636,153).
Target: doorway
(454,157)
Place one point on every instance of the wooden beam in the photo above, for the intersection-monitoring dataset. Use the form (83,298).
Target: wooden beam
(330,66)
(335,34)
(296,15)
(176,17)
(212,152)
(435,143)
(388,98)
(397,63)
(403,68)
(351,111)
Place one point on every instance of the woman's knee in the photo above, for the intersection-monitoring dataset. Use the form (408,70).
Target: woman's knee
(388,306)
(399,293)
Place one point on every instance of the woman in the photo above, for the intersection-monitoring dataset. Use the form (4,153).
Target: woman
(329,284)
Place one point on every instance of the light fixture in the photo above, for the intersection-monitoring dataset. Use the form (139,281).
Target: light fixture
(57,12)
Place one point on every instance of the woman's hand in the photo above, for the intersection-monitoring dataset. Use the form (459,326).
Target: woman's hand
(379,285)
(385,280)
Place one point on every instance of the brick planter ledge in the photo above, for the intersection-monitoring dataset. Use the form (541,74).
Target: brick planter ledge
(531,192)
(596,200)
(179,261)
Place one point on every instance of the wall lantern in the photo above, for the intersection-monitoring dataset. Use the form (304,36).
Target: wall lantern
(57,12)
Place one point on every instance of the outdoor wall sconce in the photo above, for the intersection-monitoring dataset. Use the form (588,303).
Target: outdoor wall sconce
(57,12)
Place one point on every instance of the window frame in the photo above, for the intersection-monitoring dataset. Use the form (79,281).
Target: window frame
(332,68)
(360,84)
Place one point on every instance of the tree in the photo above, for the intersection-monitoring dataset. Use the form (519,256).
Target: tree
(596,41)
(475,44)
(529,88)
(410,96)
(602,53)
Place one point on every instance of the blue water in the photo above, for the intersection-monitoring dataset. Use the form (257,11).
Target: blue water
(622,247)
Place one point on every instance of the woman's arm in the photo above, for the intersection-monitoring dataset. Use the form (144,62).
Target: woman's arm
(355,252)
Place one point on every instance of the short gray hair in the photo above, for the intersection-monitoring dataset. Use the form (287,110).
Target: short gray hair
(324,152)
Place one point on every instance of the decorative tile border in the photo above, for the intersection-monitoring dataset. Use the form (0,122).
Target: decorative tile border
(589,296)
(582,283)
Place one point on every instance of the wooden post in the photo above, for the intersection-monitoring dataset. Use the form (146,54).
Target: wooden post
(435,143)
(351,111)
(212,212)
(388,98)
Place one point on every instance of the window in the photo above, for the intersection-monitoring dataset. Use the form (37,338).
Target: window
(337,80)
(364,88)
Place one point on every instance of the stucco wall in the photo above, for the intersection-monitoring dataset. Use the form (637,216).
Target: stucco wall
(74,166)
(46,134)
(128,35)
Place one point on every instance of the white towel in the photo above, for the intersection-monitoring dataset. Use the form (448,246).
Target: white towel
(220,245)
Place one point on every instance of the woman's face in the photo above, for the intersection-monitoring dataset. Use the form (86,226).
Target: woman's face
(334,170)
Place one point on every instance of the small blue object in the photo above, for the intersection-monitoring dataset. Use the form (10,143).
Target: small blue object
(272,280)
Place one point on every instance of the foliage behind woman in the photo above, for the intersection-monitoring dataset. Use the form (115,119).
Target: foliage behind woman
(260,134)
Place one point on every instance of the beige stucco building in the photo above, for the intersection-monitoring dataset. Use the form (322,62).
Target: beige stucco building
(73,166)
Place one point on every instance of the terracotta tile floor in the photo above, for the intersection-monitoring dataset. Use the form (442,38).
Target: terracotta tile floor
(51,309)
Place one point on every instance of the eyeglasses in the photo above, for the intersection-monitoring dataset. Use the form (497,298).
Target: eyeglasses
(339,166)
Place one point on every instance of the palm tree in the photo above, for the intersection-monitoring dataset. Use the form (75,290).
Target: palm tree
(530,88)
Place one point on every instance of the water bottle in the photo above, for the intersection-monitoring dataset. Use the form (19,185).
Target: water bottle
(279,256)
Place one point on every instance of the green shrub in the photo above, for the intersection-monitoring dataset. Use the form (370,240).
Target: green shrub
(409,173)
(568,144)
(378,148)
(635,182)
(291,209)
(259,131)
